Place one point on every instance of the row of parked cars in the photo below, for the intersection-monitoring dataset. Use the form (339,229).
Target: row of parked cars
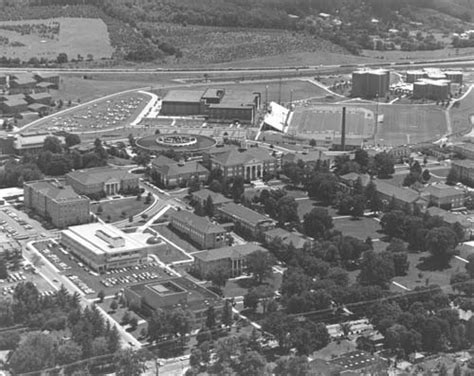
(55,259)
(129,278)
(79,283)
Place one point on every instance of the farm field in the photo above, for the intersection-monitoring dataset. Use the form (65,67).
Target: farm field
(49,37)
(115,208)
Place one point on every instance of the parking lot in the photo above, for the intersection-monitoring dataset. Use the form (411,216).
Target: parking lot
(91,282)
(15,225)
(26,273)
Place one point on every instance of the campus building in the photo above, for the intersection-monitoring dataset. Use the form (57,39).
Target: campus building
(464,169)
(451,218)
(31,143)
(370,83)
(171,293)
(103,247)
(445,196)
(103,180)
(56,202)
(233,259)
(251,164)
(466,149)
(22,84)
(402,197)
(199,229)
(287,238)
(432,89)
(203,195)
(215,104)
(169,173)
(245,220)
(13,105)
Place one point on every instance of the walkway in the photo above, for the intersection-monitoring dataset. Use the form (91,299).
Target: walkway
(151,104)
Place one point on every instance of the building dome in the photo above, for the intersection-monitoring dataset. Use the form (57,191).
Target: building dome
(153,240)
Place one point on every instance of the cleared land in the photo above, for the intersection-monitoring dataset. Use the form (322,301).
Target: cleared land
(76,36)
(461,114)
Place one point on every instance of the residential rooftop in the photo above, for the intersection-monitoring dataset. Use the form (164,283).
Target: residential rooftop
(202,224)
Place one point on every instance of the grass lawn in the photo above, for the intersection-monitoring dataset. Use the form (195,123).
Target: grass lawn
(168,254)
(175,238)
(358,228)
(418,278)
(75,36)
(241,286)
(129,206)
(334,349)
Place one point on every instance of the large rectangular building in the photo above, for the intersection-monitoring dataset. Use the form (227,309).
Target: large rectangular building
(251,164)
(370,83)
(432,89)
(56,202)
(465,170)
(103,181)
(103,247)
(199,229)
(246,220)
(169,173)
(172,293)
(232,259)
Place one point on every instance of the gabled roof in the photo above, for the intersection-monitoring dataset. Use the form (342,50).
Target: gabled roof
(235,157)
(217,198)
(99,175)
(287,238)
(37,96)
(172,168)
(201,224)
(353,176)
(243,213)
(443,190)
(234,252)
(403,194)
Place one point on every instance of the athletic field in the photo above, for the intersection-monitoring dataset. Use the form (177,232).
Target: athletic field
(326,121)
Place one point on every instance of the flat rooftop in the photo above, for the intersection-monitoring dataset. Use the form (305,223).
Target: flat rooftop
(198,298)
(91,236)
(184,96)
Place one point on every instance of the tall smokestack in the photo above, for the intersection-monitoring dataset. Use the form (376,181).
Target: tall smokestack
(343,130)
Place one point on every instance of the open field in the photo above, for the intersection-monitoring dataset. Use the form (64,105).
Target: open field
(73,36)
(114,208)
(460,115)
(358,228)
(419,278)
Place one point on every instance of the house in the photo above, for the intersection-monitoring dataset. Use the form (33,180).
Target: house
(202,195)
(40,109)
(401,196)
(287,238)
(103,181)
(245,220)
(52,79)
(199,229)
(232,259)
(170,173)
(445,196)
(13,106)
(251,164)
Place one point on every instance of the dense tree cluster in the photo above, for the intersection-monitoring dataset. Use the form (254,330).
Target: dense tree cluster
(90,334)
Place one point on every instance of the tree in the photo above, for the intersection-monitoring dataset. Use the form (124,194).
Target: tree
(260,294)
(3,269)
(384,165)
(280,325)
(426,175)
(68,352)
(287,210)
(62,58)
(470,265)
(457,370)
(441,242)
(133,322)
(358,206)
(53,145)
(237,188)
(35,352)
(210,317)
(126,318)
(129,363)
(219,276)
(292,366)
(309,337)
(227,315)
(373,201)
(209,207)
(72,139)
(362,158)
(101,296)
(259,264)
(312,142)
(251,363)
(375,269)
(317,222)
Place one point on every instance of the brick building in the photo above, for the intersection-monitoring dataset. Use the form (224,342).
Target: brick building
(170,173)
(103,181)
(245,220)
(199,229)
(370,83)
(56,202)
